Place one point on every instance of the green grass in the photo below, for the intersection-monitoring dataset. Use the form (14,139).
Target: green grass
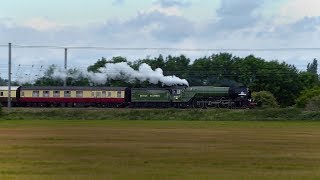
(177,149)
(159,114)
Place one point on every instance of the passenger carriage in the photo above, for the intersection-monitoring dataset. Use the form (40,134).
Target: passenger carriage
(72,96)
(4,93)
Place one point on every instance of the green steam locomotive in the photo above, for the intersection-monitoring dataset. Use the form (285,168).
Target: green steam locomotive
(194,97)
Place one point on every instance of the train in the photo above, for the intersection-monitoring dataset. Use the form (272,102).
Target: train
(122,97)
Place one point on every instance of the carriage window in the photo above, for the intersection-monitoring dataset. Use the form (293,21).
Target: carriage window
(98,94)
(79,93)
(119,94)
(1,93)
(109,94)
(22,94)
(46,93)
(92,94)
(104,94)
(56,93)
(35,93)
(67,93)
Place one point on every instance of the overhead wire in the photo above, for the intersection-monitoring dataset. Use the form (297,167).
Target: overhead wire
(37,47)
(163,48)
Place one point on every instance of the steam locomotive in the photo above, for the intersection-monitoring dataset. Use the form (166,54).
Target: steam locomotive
(178,97)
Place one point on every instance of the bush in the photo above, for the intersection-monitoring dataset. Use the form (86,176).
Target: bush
(265,99)
(314,104)
(306,96)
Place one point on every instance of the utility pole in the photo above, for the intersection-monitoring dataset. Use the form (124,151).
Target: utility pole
(9,81)
(65,64)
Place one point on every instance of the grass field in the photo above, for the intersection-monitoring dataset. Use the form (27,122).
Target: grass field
(279,114)
(91,149)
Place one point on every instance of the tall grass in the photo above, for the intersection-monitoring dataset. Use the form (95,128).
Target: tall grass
(159,114)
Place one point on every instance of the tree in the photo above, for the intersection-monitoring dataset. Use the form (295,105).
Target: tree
(265,99)
(308,80)
(47,79)
(101,63)
(76,78)
(313,104)
(251,70)
(96,66)
(306,96)
(154,63)
(313,67)
(118,59)
(218,70)
(177,66)
(281,79)
(3,82)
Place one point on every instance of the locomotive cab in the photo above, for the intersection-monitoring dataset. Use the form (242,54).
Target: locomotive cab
(178,94)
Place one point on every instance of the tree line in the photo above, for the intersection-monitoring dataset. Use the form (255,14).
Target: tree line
(283,80)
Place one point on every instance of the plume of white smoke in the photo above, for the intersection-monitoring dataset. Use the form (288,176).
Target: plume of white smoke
(124,72)
(118,71)
(60,74)
(26,79)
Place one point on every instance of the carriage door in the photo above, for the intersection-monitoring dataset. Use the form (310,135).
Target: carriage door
(98,95)
(95,94)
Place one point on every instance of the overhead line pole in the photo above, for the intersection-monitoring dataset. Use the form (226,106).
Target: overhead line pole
(65,64)
(9,81)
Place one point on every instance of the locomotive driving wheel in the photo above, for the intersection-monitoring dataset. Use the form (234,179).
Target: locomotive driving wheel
(199,103)
(213,102)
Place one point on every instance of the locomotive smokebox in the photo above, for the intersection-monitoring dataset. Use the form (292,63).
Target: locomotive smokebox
(240,91)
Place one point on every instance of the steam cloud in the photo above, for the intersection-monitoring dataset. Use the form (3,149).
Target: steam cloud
(121,71)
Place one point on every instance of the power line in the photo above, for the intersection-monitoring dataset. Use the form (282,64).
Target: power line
(37,47)
(164,48)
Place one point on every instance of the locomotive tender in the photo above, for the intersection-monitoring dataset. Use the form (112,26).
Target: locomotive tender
(179,97)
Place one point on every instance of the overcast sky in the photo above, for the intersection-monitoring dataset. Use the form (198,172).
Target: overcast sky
(158,23)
